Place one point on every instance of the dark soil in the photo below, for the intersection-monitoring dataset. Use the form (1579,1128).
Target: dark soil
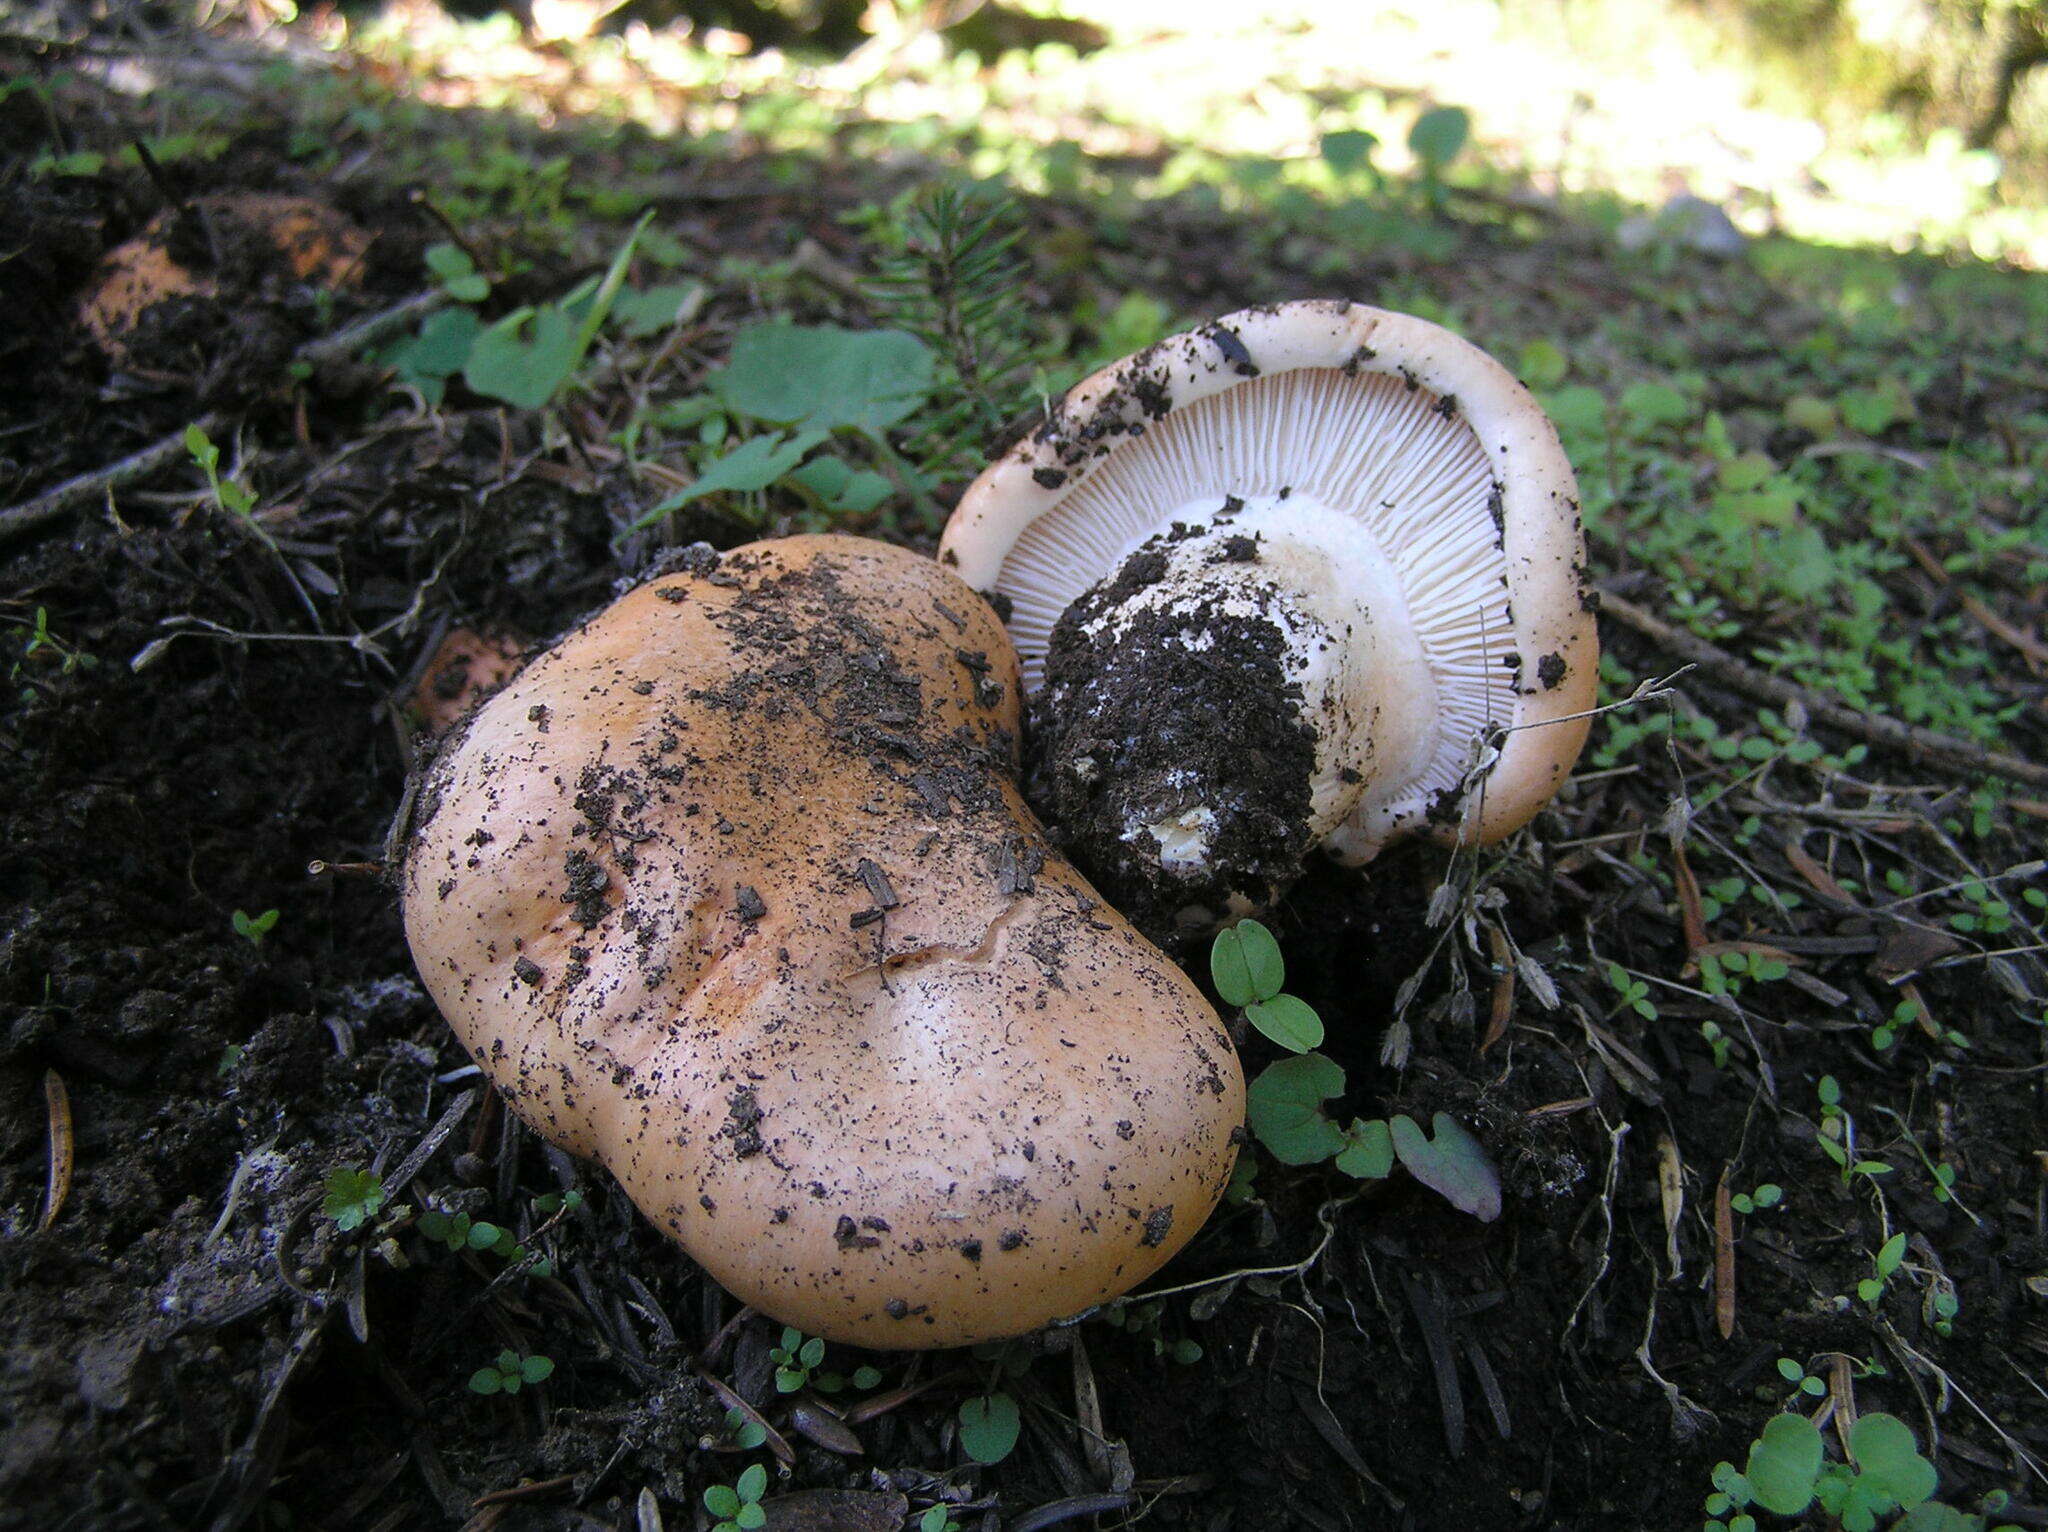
(193,1341)
(1134,727)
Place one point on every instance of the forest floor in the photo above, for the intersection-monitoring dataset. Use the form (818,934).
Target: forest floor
(1764,1088)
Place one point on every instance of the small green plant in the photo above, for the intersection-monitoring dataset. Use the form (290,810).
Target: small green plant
(456,270)
(510,1373)
(947,271)
(352,1197)
(738,1505)
(1725,973)
(459,1232)
(1787,1473)
(1634,993)
(253,928)
(237,499)
(1768,1195)
(1284,1108)
(796,1365)
(794,1359)
(526,358)
(937,1518)
(1142,1321)
(1837,1136)
(50,648)
(1886,1032)
(1249,973)
(1436,138)
(1989,915)
(1807,1384)
(1349,153)
(1942,1308)
(989,1426)
(1890,1255)
(743,1431)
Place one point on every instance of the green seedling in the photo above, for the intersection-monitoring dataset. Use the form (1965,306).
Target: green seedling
(253,928)
(742,1431)
(1435,138)
(510,1373)
(1284,1108)
(738,1505)
(1768,1195)
(459,1232)
(794,1359)
(1725,973)
(1800,1378)
(1886,1032)
(1249,974)
(44,647)
(989,1425)
(1787,1473)
(937,1518)
(947,271)
(1716,1039)
(796,1365)
(1349,152)
(457,273)
(353,1197)
(808,383)
(1889,1257)
(525,359)
(1989,915)
(1837,1136)
(1941,1309)
(1142,1321)
(235,499)
(1634,993)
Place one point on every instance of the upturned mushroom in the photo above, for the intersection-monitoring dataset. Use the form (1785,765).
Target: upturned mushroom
(1310,575)
(733,890)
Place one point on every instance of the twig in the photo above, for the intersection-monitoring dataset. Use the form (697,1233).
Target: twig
(1986,618)
(99,482)
(1909,740)
(1060,1512)
(51,504)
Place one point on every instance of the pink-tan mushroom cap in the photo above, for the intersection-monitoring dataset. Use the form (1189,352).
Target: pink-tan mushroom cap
(733,890)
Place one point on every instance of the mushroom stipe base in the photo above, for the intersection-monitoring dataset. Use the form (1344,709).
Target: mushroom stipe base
(1168,752)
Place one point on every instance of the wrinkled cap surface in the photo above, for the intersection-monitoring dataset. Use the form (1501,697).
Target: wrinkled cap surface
(733,890)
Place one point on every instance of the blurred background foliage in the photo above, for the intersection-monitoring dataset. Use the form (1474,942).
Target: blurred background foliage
(1899,124)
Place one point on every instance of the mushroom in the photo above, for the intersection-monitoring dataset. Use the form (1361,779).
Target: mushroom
(180,256)
(467,665)
(733,890)
(1310,575)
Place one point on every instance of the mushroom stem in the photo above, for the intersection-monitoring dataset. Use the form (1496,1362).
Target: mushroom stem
(1220,704)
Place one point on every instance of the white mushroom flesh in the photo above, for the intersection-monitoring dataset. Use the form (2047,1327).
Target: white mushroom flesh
(1373,507)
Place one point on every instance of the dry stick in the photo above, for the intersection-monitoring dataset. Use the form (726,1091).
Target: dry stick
(58,1100)
(98,482)
(1984,616)
(1911,741)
